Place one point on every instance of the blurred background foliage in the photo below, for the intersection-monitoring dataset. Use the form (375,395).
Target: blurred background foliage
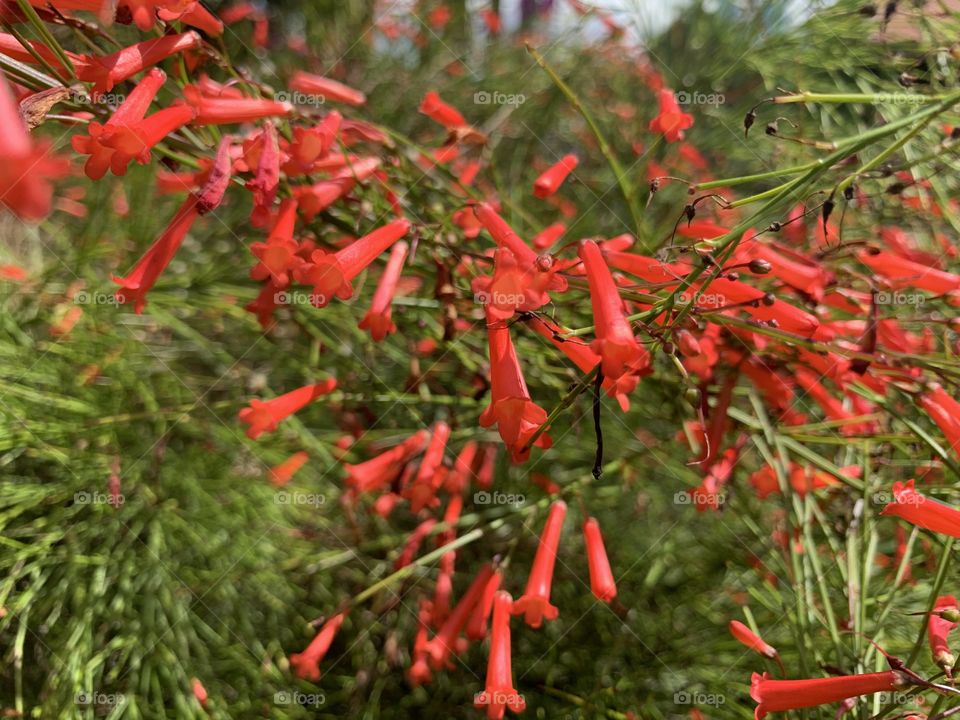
(202,572)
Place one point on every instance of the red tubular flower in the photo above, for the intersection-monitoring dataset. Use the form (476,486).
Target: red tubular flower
(671,121)
(499,692)
(311,144)
(281,474)
(443,591)
(517,417)
(618,349)
(130,112)
(193,14)
(413,543)
(922,511)
(330,273)
(145,273)
(378,319)
(746,637)
(938,628)
(535,602)
(780,695)
(444,642)
(107,71)
(423,489)
(264,416)
(330,89)
(513,287)
(944,411)
(307,664)
(602,583)
(439,111)
(218,178)
(504,235)
(26,168)
(383,469)
(549,235)
(134,142)
(551,179)
(458,479)
(476,628)
(585,359)
(278,255)
(901,272)
(316,198)
(227,110)
(831,406)
(419,671)
(266,181)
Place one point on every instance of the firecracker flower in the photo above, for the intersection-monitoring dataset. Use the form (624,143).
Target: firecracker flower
(534,604)
(265,415)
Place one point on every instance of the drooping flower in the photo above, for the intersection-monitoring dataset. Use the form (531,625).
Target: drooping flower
(583,356)
(217,179)
(938,628)
(266,181)
(444,643)
(746,637)
(458,479)
(311,84)
(517,417)
(615,343)
(476,628)
(602,584)
(316,198)
(265,415)
(779,695)
(278,255)
(922,511)
(439,111)
(307,664)
(413,543)
(378,320)
(330,273)
(499,692)
(552,178)
(26,168)
(422,491)
(109,70)
(281,474)
(135,285)
(535,605)
(672,121)
(385,467)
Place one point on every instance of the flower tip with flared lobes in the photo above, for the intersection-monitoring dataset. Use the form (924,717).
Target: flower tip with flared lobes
(306,664)
(535,605)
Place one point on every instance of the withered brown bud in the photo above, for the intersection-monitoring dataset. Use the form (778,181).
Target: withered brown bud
(759,267)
